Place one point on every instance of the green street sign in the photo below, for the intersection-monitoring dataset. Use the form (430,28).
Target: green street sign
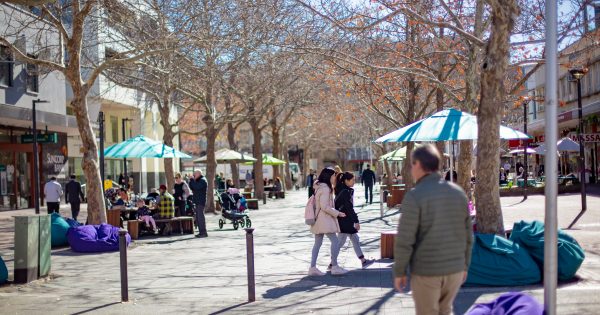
(41,138)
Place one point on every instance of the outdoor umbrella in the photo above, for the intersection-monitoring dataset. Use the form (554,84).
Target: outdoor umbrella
(269,160)
(227,156)
(396,155)
(520,151)
(447,125)
(564,145)
(142,147)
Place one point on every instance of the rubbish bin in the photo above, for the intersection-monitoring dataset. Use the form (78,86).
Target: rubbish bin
(385,195)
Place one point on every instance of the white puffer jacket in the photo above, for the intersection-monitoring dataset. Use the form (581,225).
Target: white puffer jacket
(326,214)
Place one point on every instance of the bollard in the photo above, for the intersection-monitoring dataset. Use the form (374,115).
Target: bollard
(264,198)
(381,204)
(123,256)
(250,264)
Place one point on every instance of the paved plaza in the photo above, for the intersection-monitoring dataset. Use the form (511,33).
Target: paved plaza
(184,275)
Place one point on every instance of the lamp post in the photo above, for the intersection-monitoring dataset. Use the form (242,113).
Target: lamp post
(101,131)
(36,175)
(577,75)
(123,121)
(525,147)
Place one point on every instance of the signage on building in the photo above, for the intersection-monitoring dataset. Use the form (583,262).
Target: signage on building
(586,137)
(55,157)
(41,138)
(566,116)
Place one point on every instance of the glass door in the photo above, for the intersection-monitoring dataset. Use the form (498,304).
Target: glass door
(25,179)
(7,189)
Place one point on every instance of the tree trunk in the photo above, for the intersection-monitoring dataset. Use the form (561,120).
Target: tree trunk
(259,186)
(465,157)
(388,180)
(305,164)
(489,213)
(406,165)
(286,169)
(168,135)
(235,172)
(211,163)
(276,148)
(90,165)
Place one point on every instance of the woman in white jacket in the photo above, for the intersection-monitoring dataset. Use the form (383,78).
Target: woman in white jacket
(326,223)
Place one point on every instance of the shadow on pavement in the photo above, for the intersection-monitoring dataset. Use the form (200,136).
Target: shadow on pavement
(230,308)
(93,309)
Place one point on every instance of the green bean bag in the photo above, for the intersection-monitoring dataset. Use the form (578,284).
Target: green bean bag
(530,235)
(3,272)
(58,230)
(497,261)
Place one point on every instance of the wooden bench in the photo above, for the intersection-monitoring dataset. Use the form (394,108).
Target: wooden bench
(387,244)
(133,227)
(247,195)
(252,204)
(179,224)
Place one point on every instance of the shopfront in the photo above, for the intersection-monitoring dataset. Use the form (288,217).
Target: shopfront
(16,164)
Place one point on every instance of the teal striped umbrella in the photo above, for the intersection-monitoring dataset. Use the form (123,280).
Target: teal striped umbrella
(142,147)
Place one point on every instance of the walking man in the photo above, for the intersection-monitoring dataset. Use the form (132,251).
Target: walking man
(434,237)
(310,180)
(74,196)
(368,179)
(53,191)
(199,185)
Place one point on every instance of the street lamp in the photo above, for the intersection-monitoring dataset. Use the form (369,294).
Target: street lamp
(577,75)
(123,121)
(36,175)
(101,131)
(525,147)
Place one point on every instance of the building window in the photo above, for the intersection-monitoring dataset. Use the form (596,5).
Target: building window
(6,65)
(32,77)
(114,128)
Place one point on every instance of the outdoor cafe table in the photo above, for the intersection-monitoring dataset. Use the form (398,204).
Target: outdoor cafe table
(530,182)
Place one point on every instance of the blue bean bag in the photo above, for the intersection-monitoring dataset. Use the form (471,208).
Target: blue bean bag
(73,223)
(3,272)
(497,261)
(95,238)
(513,303)
(530,235)
(58,230)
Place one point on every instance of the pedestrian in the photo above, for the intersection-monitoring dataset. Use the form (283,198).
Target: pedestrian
(122,181)
(199,185)
(434,236)
(249,181)
(368,180)
(454,176)
(349,225)
(74,196)
(181,191)
(326,223)
(310,180)
(52,192)
(507,167)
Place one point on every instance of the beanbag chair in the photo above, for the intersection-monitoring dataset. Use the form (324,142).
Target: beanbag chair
(73,223)
(58,230)
(530,235)
(497,261)
(513,303)
(3,272)
(95,238)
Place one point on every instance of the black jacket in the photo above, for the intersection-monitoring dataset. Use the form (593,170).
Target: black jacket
(73,192)
(368,177)
(198,188)
(343,203)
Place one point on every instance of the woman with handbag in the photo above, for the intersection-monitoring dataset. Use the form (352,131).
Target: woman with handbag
(326,223)
(349,225)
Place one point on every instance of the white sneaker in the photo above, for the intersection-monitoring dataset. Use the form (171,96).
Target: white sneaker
(314,271)
(337,270)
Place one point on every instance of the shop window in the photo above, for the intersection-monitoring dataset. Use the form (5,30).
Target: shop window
(32,77)
(6,66)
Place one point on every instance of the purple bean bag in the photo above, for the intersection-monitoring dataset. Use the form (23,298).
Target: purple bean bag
(513,303)
(95,238)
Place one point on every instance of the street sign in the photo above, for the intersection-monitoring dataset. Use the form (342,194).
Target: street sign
(41,138)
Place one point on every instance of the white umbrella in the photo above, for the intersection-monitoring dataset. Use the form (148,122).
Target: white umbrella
(564,145)
(228,156)
(520,151)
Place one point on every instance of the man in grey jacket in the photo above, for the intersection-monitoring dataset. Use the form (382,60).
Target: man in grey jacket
(434,236)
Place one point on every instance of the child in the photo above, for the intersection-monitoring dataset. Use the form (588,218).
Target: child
(145,215)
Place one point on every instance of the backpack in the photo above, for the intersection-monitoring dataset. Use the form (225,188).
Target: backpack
(310,211)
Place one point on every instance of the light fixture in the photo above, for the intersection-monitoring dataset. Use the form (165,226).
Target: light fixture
(578,73)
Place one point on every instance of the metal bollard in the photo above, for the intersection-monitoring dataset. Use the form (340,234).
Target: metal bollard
(381,204)
(250,264)
(264,198)
(123,256)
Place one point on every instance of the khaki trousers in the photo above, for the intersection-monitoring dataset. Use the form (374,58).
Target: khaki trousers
(435,295)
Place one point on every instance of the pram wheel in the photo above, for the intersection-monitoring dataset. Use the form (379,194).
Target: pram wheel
(248,223)
(221,223)
(235,225)
(242,222)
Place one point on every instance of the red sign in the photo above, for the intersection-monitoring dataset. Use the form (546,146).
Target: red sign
(566,116)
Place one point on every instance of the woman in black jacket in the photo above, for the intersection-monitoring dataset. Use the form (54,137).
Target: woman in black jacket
(349,225)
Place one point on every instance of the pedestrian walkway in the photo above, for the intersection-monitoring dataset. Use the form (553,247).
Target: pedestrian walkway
(184,275)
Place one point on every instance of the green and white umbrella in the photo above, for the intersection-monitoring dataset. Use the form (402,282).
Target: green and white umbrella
(142,147)
(396,155)
(269,160)
(227,156)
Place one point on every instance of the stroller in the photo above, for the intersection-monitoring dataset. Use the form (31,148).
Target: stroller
(232,210)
